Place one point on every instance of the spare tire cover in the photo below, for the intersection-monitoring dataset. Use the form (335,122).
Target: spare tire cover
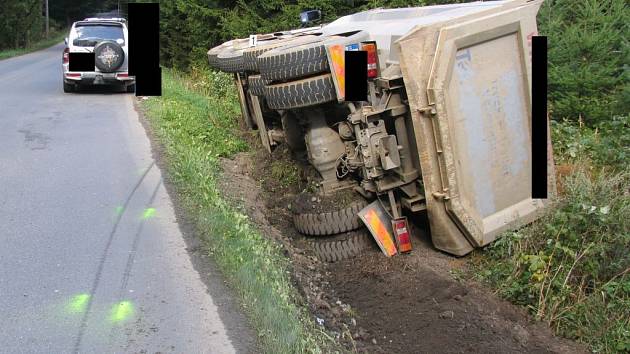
(108,56)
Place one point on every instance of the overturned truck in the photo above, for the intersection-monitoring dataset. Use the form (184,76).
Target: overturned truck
(444,127)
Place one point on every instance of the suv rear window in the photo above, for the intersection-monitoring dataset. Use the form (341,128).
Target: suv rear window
(89,35)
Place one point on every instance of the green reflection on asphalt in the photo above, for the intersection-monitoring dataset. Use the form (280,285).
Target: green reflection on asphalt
(122,311)
(148,213)
(78,303)
(119,210)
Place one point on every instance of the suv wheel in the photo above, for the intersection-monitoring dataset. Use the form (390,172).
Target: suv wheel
(68,87)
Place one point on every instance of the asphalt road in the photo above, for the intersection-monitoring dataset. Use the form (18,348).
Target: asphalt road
(92,258)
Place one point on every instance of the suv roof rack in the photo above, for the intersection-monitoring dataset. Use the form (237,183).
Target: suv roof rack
(112,19)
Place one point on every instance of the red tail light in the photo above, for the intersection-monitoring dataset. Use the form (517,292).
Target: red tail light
(401,233)
(372,59)
(122,75)
(66,56)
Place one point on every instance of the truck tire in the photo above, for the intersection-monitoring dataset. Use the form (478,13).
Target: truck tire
(228,55)
(250,55)
(301,93)
(291,61)
(230,60)
(335,222)
(257,85)
(287,63)
(342,246)
(214,52)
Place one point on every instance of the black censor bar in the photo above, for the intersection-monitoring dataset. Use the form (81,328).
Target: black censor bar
(144,48)
(81,62)
(356,75)
(539,117)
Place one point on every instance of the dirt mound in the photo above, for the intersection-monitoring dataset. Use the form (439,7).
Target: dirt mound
(408,307)
(373,304)
(307,202)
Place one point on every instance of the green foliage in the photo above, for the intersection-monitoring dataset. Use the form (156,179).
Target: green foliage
(55,38)
(196,123)
(589,58)
(572,268)
(608,143)
(21,23)
(191,27)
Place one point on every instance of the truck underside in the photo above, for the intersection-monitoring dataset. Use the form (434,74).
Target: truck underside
(444,128)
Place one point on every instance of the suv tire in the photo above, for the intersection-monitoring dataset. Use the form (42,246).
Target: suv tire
(100,57)
(68,87)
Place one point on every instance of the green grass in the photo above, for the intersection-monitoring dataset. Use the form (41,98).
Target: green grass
(55,37)
(571,269)
(196,121)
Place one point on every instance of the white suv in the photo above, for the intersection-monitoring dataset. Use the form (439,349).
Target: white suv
(107,39)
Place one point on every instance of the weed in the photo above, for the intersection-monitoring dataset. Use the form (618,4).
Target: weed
(572,267)
(196,123)
(284,172)
(55,38)
(606,144)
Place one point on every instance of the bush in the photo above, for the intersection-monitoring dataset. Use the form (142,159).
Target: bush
(607,144)
(572,268)
(589,58)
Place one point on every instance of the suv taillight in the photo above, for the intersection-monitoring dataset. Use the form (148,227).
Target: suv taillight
(372,59)
(66,55)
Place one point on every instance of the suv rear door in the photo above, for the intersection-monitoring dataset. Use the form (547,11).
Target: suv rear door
(469,87)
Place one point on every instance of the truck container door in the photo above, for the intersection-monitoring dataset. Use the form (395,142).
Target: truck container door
(469,86)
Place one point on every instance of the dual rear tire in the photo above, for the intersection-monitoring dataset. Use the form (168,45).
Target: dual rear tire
(336,235)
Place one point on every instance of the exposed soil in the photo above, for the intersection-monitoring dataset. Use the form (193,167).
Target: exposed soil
(307,202)
(411,303)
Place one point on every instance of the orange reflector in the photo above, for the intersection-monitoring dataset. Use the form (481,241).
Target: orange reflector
(337,58)
(401,232)
(379,230)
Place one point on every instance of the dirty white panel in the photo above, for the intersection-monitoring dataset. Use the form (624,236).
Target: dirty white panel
(489,126)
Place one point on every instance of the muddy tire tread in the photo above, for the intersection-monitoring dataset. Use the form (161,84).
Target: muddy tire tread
(292,63)
(257,85)
(302,93)
(330,223)
(343,246)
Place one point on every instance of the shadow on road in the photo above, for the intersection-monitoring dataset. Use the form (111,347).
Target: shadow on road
(100,89)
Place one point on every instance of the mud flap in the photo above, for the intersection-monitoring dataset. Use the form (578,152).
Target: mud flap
(379,224)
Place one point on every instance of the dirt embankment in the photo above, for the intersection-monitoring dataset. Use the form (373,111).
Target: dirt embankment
(406,304)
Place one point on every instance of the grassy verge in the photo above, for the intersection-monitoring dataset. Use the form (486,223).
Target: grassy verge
(54,38)
(195,121)
(572,268)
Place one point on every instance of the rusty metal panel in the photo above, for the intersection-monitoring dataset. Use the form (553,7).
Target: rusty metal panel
(468,82)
